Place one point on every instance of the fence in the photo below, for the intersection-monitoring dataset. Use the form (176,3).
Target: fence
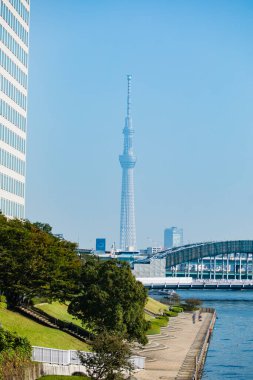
(54,356)
(68,357)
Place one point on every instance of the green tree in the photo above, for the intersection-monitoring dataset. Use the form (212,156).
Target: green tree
(111,298)
(15,355)
(44,227)
(192,304)
(110,357)
(34,262)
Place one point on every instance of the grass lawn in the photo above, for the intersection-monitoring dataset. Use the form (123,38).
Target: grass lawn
(38,334)
(155,306)
(149,317)
(59,377)
(156,324)
(60,311)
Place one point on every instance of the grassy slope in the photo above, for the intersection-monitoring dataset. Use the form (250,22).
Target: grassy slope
(155,306)
(156,324)
(37,334)
(59,311)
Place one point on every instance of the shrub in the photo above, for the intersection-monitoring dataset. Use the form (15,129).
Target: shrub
(175,298)
(38,300)
(15,354)
(177,309)
(11,341)
(162,321)
(191,304)
(156,324)
(2,298)
(171,313)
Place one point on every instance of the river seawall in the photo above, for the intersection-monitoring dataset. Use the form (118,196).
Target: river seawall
(178,353)
(193,364)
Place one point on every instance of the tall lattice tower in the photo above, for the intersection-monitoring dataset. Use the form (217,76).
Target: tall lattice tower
(127,161)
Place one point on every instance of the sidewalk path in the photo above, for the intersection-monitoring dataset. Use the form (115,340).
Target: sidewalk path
(166,352)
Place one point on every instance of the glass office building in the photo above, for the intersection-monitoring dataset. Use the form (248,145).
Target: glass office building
(173,237)
(14,46)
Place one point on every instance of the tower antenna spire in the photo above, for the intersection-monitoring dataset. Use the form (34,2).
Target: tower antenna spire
(127,162)
(129,77)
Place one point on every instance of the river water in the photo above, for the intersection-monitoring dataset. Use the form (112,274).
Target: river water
(230,352)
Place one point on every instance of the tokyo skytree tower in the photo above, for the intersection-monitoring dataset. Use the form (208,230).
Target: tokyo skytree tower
(127,162)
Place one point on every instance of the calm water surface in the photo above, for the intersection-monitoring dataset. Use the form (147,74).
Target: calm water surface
(230,354)
(231,348)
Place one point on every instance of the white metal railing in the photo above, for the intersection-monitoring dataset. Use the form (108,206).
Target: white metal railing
(163,281)
(68,357)
(222,282)
(54,356)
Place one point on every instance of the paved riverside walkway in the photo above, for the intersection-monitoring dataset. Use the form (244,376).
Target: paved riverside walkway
(166,353)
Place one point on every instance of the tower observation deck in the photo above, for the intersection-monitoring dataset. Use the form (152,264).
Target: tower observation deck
(127,162)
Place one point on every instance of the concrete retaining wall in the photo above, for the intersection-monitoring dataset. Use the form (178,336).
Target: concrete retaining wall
(67,370)
(34,372)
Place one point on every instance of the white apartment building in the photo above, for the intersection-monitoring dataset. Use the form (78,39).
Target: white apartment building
(14,46)
(153,250)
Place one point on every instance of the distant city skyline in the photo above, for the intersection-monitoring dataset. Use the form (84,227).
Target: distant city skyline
(192,67)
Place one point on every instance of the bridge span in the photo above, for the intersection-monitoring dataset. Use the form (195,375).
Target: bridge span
(190,283)
(207,260)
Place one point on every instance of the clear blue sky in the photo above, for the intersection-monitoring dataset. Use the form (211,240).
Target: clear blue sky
(192,68)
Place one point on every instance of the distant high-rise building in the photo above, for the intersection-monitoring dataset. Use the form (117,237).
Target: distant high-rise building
(173,237)
(14,43)
(127,161)
(153,250)
(101,244)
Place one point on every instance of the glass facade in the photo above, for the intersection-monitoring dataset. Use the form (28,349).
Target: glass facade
(173,237)
(14,41)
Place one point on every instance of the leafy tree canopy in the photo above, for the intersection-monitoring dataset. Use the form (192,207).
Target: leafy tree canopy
(192,304)
(111,298)
(44,227)
(33,262)
(12,341)
(109,359)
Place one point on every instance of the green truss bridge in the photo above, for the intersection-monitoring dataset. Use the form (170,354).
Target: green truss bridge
(209,260)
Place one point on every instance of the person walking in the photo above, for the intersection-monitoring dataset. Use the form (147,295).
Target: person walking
(194,317)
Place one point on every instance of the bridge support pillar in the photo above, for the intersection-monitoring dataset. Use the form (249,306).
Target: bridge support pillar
(251,266)
(223,269)
(247,267)
(235,266)
(227,264)
(240,266)
(214,267)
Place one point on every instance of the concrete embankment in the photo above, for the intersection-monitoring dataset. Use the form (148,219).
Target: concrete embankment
(178,353)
